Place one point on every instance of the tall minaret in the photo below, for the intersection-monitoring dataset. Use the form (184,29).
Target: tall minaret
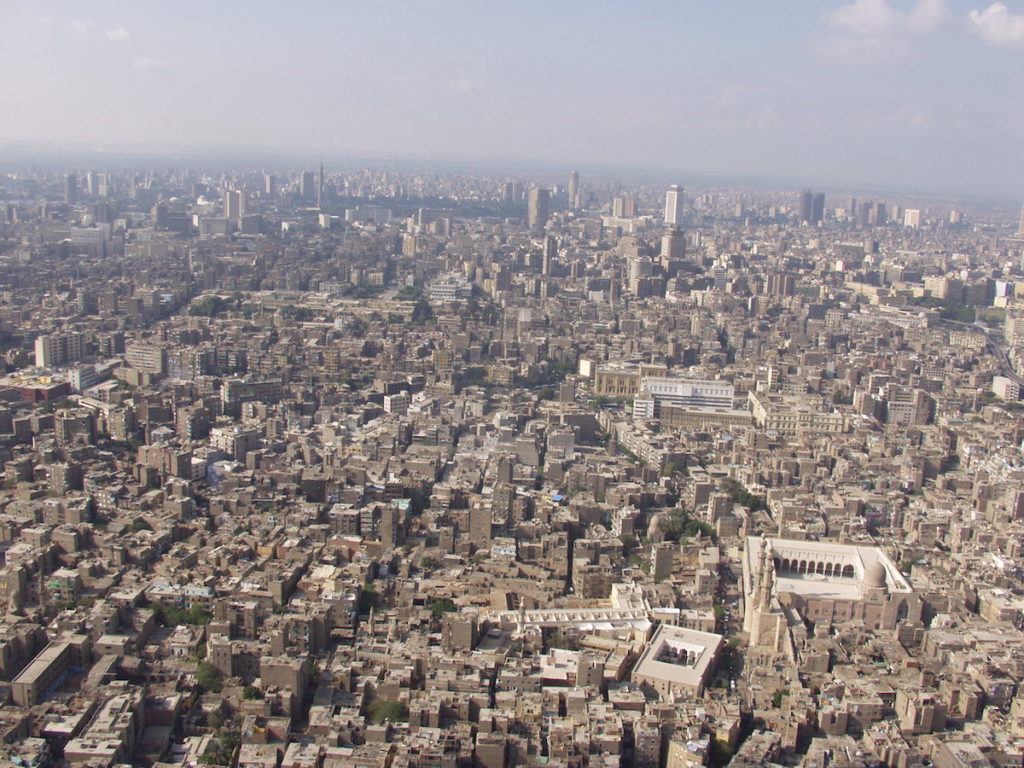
(762,626)
(768,575)
(320,188)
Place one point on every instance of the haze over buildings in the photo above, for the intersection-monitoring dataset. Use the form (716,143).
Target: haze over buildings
(905,94)
(308,462)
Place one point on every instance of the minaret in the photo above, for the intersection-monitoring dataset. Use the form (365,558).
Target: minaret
(759,619)
(767,575)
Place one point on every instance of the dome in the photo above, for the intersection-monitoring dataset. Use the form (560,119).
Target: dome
(874,575)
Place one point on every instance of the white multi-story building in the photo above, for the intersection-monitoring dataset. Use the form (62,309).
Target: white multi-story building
(657,391)
(58,348)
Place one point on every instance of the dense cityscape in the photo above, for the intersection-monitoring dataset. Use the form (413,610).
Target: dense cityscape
(351,468)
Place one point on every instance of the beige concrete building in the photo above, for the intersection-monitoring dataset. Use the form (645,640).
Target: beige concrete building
(678,661)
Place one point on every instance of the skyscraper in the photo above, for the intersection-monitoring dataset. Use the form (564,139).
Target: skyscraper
(236,204)
(818,208)
(1020,224)
(70,188)
(306,189)
(674,206)
(806,198)
(574,191)
(673,246)
(537,209)
(320,188)
(812,207)
(877,216)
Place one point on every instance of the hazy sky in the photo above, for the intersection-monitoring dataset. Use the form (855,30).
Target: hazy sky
(915,94)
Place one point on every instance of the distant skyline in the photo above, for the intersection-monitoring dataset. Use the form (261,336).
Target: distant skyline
(916,95)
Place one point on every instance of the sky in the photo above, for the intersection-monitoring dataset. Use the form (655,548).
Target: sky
(906,94)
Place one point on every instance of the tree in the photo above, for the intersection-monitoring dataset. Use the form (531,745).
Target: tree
(387,709)
(173,616)
(740,495)
(439,606)
(563,641)
(368,599)
(422,313)
(208,306)
(209,677)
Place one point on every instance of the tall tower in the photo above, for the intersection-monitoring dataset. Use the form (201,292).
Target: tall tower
(306,186)
(806,205)
(320,188)
(537,209)
(71,188)
(674,206)
(1020,224)
(236,204)
(818,208)
(574,191)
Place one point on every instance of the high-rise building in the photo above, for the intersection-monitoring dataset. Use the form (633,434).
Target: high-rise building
(306,185)
(320,189)
(624,207)
(1020,224)
(70,188)
(674,206)
(812,207)
(818,208)
(58,348)
(864,214)
(269,185)
(806,202)
(537,208)
(574,191)
(877,218)
(912,218)
(236,204)
(673,245)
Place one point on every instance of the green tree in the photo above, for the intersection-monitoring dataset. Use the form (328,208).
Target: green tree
(740,495)
(208,306)
(209,677)
(563,641)
(387,709)
(422,313)
(368,598)
(439,606)
(719,753)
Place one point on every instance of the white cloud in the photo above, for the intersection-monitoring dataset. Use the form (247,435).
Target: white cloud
(462,85)
(731,96)
(997,25)
(81,28)
(150,64)
(865,31)
(117,33)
